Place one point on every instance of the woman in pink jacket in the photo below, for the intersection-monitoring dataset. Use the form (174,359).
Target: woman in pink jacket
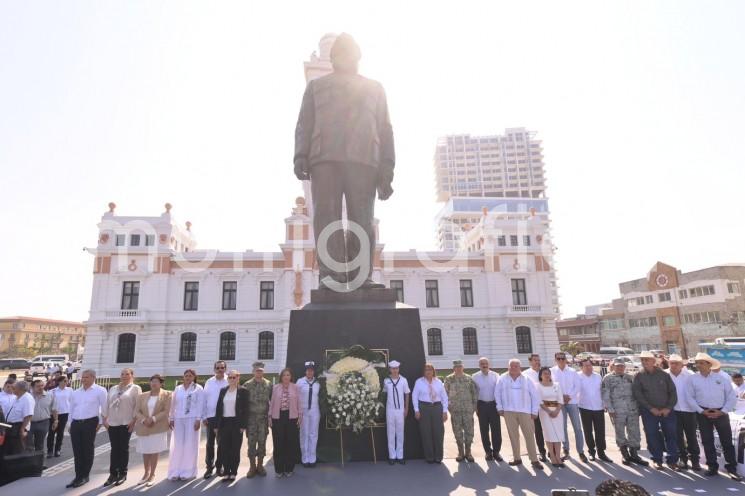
(285,418)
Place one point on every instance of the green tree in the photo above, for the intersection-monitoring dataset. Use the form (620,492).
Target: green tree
(572,347)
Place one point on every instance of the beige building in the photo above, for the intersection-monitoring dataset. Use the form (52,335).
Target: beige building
(676,311)
(25,337)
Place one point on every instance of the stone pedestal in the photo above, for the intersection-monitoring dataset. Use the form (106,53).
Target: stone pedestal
(370,318)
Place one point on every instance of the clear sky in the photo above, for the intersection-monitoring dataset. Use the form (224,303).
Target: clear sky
(640,106)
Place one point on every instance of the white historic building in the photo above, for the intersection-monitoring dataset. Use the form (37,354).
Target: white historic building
(161,305)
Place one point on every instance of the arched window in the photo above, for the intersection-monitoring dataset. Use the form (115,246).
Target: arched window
(470,341)
(266,345)
(434,341)
(227,345)
(524,342)
(188,347)
(125,348)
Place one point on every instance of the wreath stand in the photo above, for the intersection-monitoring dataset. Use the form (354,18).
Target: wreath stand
(372,443)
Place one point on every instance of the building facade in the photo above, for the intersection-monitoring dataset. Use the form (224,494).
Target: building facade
(582,329)
(26,337)
(676,311)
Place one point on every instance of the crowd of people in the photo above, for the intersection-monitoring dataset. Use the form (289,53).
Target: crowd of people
(537,405)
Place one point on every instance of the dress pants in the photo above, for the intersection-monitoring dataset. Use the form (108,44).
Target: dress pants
(486,411)
(54,439)
(722,425)
(83,437)
(209,450)
(39,431)
(229,444)
(119,436)
(184,450)
(432,430)
(286,442)
(655,428)
(593,419)
(394,425)
(13,441)
(516,422)
(539,441)
(688,448)
(309,434)
(571,413)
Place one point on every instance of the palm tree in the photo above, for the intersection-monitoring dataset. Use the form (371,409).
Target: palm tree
(572,347)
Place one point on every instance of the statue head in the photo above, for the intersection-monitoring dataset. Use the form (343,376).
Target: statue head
(345,54)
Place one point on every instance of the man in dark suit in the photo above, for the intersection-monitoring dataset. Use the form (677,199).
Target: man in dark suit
(344,145)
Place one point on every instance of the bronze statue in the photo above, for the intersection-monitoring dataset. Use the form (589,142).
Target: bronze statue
(344,145)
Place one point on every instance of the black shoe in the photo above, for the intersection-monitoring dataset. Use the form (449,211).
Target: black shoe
(514,463)
(121,480)
(71,484)
(673,466)
(603,457)
(489,457)
(80,482)
(683,465)
(57,454)
(543,458)
(498,457)
(659,466)
(391,461)
(566,454)
(49,454)
(112,478)
(537,465)
(220,472)
(711,471)
(734,475)
(208,473)
(402,461)
(583,458)
(696,466)
(312,465)
(592,456)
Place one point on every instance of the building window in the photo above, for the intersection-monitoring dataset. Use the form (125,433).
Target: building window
(188,347)
(733,287)
(432,293)
(434,341)
(502,240)
(266,345)
(664,297)
(519,296)
(672,347)
(227,345)
(470,341)
(683,294)
(130,295)
(119,240)
(149,239)
(266,298)
(191,296)
(668,321)
(526,240)
(524,342)
(398,286)
(125,348)
(134,240)
(649,299)
(513,240)
(229,291)
(466,293)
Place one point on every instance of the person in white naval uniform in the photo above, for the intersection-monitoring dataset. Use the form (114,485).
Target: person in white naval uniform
(309,388)
(398,396)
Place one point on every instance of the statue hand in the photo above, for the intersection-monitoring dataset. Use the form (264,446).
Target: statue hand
(301,170)
(385,178)
(385,191)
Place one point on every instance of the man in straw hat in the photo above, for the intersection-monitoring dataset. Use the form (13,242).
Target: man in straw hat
(685,414)
(656,394)
(714,397)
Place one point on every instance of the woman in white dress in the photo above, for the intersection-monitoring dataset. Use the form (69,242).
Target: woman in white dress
(151,426)
(551,415)
(185,420)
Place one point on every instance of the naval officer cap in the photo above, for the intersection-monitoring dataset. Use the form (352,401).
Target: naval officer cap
(258,365)
(394,364)
(310,365)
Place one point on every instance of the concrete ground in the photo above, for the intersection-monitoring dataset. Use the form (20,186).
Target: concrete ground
(363,478)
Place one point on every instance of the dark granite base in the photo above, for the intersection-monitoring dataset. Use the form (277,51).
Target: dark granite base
(391,326)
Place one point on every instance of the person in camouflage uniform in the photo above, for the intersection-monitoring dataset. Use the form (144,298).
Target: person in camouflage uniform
(618,400)
(463,395)
(259,394)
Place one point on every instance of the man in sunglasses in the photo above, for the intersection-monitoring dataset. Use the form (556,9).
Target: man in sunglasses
(569,380)
(212,392)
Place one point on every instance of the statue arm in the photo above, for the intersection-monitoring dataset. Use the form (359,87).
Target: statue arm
(304,133)
(385,131)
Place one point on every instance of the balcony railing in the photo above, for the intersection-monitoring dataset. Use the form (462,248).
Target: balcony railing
(124,314)
(525,308)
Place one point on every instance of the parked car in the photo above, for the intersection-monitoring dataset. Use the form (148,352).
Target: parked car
(14,364)
(38,368)
(632,365)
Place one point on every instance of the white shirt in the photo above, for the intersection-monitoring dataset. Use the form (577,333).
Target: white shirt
(517,395)
(187,403)
(486,384)
(20,409)
(228,403)
(712,391)
(395,393)
(122,404)
(532,375)
(88,403)
(62,399)
(304,386)
(685,402)
(5,401)
(590,397)
(211,393)
(429,392)
(569,380)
